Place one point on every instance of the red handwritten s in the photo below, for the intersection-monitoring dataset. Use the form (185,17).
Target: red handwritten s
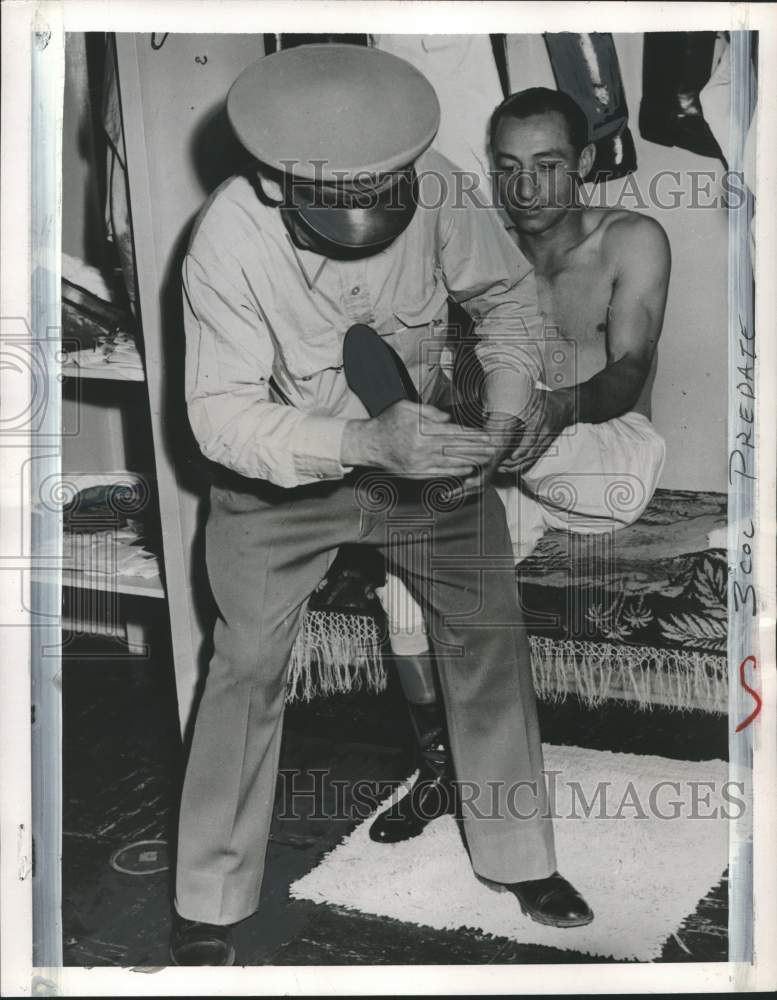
(756,696)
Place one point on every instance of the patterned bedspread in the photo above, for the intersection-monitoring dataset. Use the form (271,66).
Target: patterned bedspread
(638,614)
(656,583)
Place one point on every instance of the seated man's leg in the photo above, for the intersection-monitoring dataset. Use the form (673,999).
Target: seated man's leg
(594,478)
(407,635)
(264,559)
(414,664)
(431,795)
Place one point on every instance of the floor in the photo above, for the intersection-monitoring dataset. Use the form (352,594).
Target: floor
(122,763)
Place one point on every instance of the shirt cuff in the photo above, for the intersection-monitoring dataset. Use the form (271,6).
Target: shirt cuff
(316,446)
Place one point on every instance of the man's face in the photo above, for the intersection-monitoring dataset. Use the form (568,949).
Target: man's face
(536,170)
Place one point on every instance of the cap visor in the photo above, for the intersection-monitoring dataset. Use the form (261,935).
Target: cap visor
(386,215)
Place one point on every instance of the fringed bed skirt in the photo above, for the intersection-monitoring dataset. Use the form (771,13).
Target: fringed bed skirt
(597,671)
(335,652)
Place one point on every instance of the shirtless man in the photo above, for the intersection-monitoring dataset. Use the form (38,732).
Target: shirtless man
(589,459)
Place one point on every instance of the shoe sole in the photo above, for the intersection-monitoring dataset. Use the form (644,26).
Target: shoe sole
(374,371)
(564,924)
(400,840)
(230,961)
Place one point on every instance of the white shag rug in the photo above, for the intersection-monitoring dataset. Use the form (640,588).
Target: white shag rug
(642,875)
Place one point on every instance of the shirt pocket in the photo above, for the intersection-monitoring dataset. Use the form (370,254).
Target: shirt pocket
(423,307)
(318,349)
(419,331)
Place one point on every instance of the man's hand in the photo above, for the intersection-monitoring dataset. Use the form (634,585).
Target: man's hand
(549,416)
(416,441)
(504,432)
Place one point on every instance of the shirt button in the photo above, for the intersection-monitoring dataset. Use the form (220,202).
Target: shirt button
(355,290)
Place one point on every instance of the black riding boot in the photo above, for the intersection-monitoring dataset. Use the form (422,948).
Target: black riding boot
(432,794)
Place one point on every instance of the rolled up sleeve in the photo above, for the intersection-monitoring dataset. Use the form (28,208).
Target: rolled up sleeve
(229,361)
(490,277)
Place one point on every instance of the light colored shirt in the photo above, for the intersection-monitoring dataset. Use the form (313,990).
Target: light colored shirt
(265,323)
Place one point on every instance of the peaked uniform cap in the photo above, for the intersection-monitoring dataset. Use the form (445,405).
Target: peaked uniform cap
(330,112)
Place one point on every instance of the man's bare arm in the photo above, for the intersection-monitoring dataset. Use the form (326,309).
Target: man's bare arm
(634,325)
(641,249)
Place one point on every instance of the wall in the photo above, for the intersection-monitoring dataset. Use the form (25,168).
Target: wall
(690,391)
(179,148)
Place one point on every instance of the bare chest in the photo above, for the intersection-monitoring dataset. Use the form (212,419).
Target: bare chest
(575,304)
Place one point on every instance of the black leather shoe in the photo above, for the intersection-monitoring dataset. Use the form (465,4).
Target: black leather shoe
(195,943)
(349,585)
(552,901)
(428,799)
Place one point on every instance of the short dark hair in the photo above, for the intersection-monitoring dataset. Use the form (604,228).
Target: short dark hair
(541,101)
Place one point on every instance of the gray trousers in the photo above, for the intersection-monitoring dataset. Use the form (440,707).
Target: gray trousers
(267,549)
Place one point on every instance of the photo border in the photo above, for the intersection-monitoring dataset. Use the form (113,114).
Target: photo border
(32,73)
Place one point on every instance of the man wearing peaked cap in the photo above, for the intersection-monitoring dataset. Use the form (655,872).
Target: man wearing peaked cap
(349,221)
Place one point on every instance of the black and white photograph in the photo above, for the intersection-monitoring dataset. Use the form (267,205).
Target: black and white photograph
(401,584)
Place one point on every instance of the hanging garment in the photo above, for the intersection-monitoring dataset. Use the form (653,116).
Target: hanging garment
(716,103)
(528,63)
(499,50)
(715,97)
(676,66)
(463,71)
(586,67)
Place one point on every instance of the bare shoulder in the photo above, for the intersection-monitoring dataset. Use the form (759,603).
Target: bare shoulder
(633,238)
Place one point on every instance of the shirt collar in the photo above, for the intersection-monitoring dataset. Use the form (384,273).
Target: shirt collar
(311,264)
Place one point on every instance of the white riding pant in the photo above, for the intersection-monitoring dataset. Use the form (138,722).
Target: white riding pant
(593,478)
